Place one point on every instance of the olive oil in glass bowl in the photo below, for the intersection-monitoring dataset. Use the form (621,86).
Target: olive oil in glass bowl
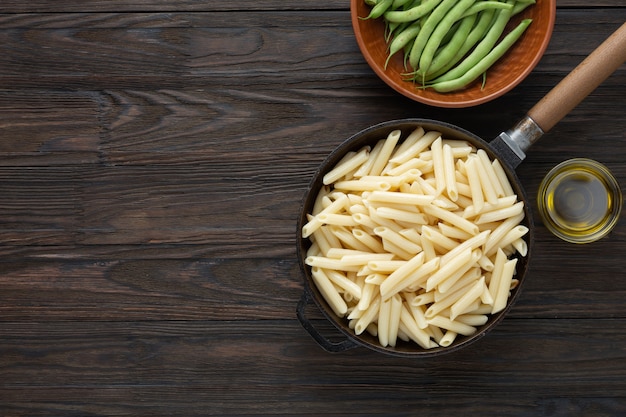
(579,200)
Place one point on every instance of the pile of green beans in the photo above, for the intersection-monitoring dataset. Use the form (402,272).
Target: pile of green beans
(448,44)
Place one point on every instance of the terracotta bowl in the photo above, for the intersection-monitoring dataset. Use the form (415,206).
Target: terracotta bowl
(503,76)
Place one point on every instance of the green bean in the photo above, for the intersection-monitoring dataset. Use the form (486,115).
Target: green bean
(448,36)
(479,6)
(521,5)
(372,3)
(391,28)
(399,3)
(402,39)
(427,29)
(476,34)
(379,9)
(448,52)
(485,63)
(407,51)
(440,31)
(483,47)
(413,13)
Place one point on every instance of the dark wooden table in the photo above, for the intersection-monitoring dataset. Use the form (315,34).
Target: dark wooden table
(153,157)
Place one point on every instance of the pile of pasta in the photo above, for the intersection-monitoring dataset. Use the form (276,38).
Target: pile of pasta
(416,239)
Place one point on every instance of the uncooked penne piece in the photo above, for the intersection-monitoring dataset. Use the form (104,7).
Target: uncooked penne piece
(346,166)
(368,240)
(448,337)
(384,313)
(402,215)
(417,148)
(370,314)
(336,219)
(500,231)
(473,294)
(455,326)
(449,173)
(501,214)
(394,319)
(400,198)
(475,320)
(358,185)
(389,287)
(329,263)
(502,178)
(448,283)
(499,301)
(496,274)
(452,218)
(447,269)
(491,173)
(413,163)
(416,333)
(487,186)
(342,281)
(439,238)
(410,140)
(438,165)
(397,239)
(385,152)
(473,178)
(330,294)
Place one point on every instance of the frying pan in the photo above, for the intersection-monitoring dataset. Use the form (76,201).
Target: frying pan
(509,147)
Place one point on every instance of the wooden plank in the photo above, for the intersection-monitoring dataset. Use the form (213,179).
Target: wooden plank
(161,207)
(54,285)
(273,367)
(41,6)
(261,53)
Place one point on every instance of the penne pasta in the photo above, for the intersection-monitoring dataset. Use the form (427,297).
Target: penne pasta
(411,239)
(384,314)
(455,326)
(386,150)
(491,173)
(448,338)
(410,140)
(368,240)
(397,239)
(438,165)
(346,166)
(487,186)
(400,198)
(342,281)
(448,269)
(449,173)
(501,214)
(390,286)
(394,319)
(461,305)
(417,148)
(330,294)
(502,178)
(412,329)
(504,286)
(452,218)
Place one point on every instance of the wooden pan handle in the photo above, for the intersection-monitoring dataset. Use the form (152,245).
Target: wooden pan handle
(585,78)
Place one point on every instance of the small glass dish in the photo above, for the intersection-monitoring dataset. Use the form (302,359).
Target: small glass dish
(579,200)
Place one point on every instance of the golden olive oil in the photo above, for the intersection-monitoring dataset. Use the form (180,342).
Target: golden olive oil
(579,200)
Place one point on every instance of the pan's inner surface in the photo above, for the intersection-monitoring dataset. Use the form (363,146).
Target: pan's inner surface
(369,137)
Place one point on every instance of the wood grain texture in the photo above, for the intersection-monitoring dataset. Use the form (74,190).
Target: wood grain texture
(65,6)
(153,159)
(164,368)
